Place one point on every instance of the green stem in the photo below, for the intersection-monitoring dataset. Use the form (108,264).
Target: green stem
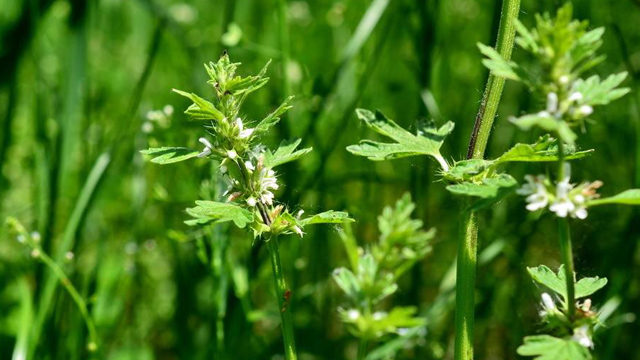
(362,349)
(564,236)
(465,286)
(468,243)
(75,295)
(283,295)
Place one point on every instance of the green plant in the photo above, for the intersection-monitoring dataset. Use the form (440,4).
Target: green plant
(248,167)
(373,274)
(562,50)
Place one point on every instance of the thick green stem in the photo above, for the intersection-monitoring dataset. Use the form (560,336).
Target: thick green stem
(284,296)
(468,244)
(465,286)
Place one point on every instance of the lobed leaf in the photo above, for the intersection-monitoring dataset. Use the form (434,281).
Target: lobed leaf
(427,142)
(548,123)
(557,282)
(201,109)
(547,347)
(211,211)
(170,155)
(600,92)
(498,65)
(285,153)
(274,116)
(489,190)
(327,217)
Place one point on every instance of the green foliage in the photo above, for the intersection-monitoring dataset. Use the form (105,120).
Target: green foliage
(557,282)
(210,211)
(546,347)
(374,272)
(170,155)
(627,197)
(490,190)
(285,153)
(597,92)
(548,123)
(427,141)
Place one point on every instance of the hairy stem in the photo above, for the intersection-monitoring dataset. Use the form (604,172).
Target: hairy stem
(564,236)
(465,286)
(283,295)
(468,244)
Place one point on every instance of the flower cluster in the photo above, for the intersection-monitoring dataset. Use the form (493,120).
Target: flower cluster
(244,163)
(581,331)
(563,199)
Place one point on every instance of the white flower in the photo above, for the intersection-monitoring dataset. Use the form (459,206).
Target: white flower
(353,314)
(576,96)
(35,236)
(538,197)
(207,147)
(585,110)
(547,302)
(379,315)
(232,154)
(251,201)
(168,110)
(69,255)
(244,133)
(249,166)
(582,337)
(563,205)
(552,102)
(298,231)
(564,79)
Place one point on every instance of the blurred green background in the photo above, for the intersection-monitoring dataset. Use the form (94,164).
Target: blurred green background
(79,78)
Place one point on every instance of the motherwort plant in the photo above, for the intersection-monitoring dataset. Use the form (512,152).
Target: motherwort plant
(373,274)
(563,50)
(248,166)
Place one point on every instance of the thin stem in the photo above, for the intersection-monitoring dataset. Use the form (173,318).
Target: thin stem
(564,236)
(283,295)
(75,295)
(362,349)
(495,84)
(465,286)
(468,243)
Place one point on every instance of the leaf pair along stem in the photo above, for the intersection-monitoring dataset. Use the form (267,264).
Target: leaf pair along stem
(468,241)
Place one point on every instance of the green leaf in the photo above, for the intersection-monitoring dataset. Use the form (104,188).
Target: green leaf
(274,116)
(467,170)
(498,65)
(490,190)
(170,155)
(211,211)
(546,347)
(557,282)
(548,123)
(348,282)
(427,142)
(285,153)
(597,92)
(628,197)
(537,153)
(327,217)
(201,109)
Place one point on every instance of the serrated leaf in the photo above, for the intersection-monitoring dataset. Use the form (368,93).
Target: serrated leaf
(546,122)
(327,217)
(348,282)
(531,153)
(285,153)
(546,347)
(490,190)
(201,109)
(557,282)
(427,142)
(170,155)
(211,211)
(596,92)
(274,116)
(627,197)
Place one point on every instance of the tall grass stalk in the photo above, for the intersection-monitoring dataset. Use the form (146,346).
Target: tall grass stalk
(468,244)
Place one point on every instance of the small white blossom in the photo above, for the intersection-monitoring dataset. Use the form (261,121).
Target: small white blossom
(147,127)
(35,253)
(564,79)
(244,133)
(576,96)
(585,110)
(69,255)
(249,166)
(552,102)
(168,110)
(353,314)
(379,315)
(582,337)
(536,192)
(207,147)
(36,236)
(547,302)
(298,231)
(232,154)
(251,201)
(563,205)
